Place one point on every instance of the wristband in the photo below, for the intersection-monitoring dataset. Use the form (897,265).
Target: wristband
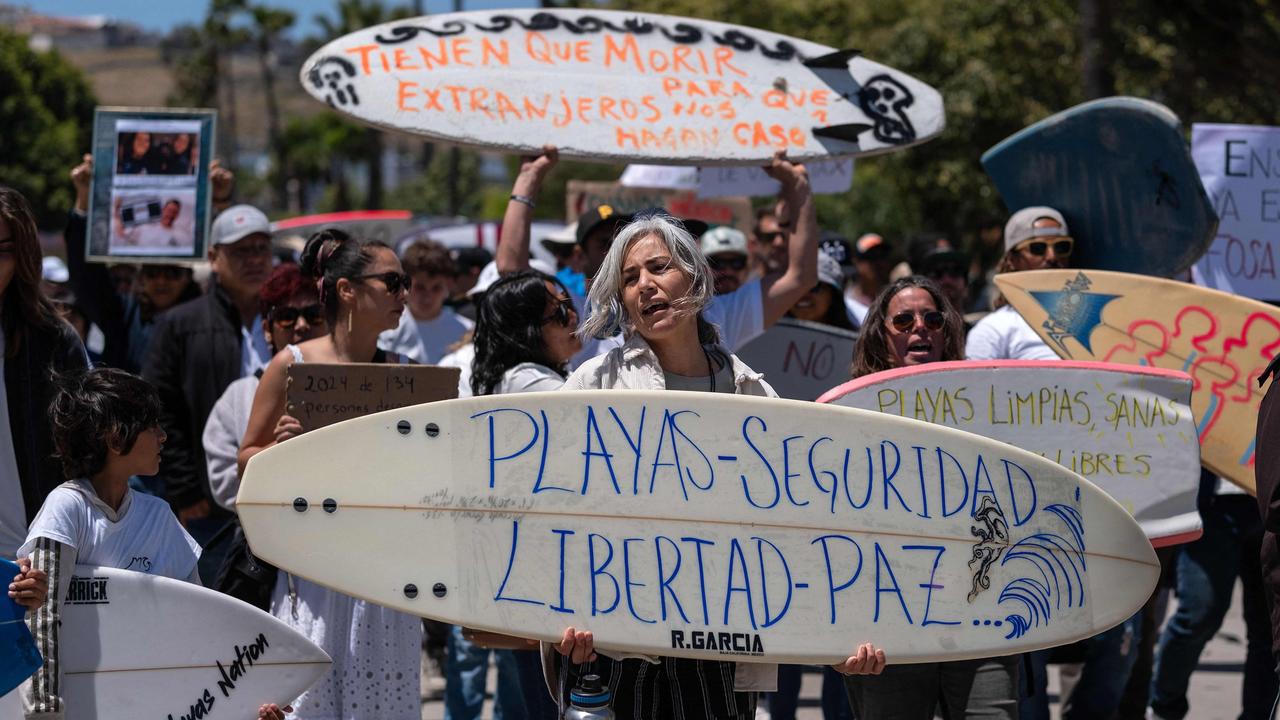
(524,200)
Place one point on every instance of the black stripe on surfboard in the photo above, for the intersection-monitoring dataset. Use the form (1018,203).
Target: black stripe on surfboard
(969,540)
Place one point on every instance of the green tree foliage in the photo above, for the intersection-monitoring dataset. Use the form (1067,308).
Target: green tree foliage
(1004,64)
(46,119)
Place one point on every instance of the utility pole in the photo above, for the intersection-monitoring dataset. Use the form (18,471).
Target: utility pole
(455,158)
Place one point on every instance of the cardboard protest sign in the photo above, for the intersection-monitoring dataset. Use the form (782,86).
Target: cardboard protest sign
(605,85)
(1239,165)
(1127,429)
(826,177)
(801,360)
(583,195)
(320,394)
(150,196)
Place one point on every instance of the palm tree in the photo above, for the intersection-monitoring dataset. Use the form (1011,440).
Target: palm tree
(268,24)
(356,15)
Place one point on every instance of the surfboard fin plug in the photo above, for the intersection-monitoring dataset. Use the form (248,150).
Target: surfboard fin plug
(838,59)
(849,132)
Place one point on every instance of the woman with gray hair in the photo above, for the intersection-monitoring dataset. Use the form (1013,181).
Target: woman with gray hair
(654,284)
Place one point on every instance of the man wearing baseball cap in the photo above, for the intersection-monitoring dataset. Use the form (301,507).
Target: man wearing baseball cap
(873,262)
(726,252)
(197,349)
(1035,238)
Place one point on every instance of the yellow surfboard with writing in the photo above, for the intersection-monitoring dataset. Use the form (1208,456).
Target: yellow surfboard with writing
(1222,341)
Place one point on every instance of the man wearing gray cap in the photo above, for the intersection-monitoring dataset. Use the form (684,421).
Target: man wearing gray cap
(197,349)
(726,253)
(1035,238)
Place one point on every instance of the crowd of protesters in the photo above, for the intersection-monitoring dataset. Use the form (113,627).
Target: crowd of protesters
(143,453)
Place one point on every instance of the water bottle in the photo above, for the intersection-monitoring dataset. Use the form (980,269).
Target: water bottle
(589,700)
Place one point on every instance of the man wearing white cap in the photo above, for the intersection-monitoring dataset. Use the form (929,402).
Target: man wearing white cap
(197,349)
(726,253)
(1035,238)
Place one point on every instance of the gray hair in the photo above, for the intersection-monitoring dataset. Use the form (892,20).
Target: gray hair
(608,313)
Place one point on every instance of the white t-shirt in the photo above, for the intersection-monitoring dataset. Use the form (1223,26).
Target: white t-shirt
(146,537)
(1004,335)
(13,513)
(856,309)
(461,359)
(425,341)
(529,377)
(223,432)
(739,315)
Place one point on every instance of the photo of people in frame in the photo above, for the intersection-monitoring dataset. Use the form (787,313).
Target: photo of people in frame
(153,222)
(142,152)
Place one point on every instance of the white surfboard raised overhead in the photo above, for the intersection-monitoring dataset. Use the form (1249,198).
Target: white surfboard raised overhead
(134,645)
(701,525)
(621,86)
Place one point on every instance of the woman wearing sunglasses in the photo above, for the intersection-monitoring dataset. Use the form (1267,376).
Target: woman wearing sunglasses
(911,323)
(824,303)
(655,285)
(1035,238)
(525,334)
(376,651)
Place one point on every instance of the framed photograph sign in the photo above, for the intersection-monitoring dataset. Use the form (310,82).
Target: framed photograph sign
(150,197)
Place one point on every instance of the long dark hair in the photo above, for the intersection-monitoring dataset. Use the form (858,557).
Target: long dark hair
(26,308)
(96,410)
(508,329)
(872,353)
(331,255)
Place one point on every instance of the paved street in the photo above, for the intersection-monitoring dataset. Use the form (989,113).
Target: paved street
(1215,687)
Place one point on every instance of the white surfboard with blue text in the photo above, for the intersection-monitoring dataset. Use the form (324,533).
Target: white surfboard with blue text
(701,525)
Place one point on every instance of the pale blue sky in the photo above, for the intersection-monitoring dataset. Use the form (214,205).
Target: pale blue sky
(160,16)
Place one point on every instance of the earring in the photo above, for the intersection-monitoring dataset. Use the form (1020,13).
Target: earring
(349,314)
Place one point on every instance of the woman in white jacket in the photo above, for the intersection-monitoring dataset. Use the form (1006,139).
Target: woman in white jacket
(653,285)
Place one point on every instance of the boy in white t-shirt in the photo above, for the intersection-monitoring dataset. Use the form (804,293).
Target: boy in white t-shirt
(428,328)
(106,427)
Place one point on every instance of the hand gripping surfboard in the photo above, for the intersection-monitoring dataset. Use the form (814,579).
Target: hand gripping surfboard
(701,525)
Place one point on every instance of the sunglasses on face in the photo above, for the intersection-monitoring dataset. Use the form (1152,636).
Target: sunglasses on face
(904,321)
(396,282)
(562,313)
(736,262)
(1039,248)
(769,237)
(286,316)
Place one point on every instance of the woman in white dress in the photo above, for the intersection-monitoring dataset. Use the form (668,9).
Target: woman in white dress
(376,651)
